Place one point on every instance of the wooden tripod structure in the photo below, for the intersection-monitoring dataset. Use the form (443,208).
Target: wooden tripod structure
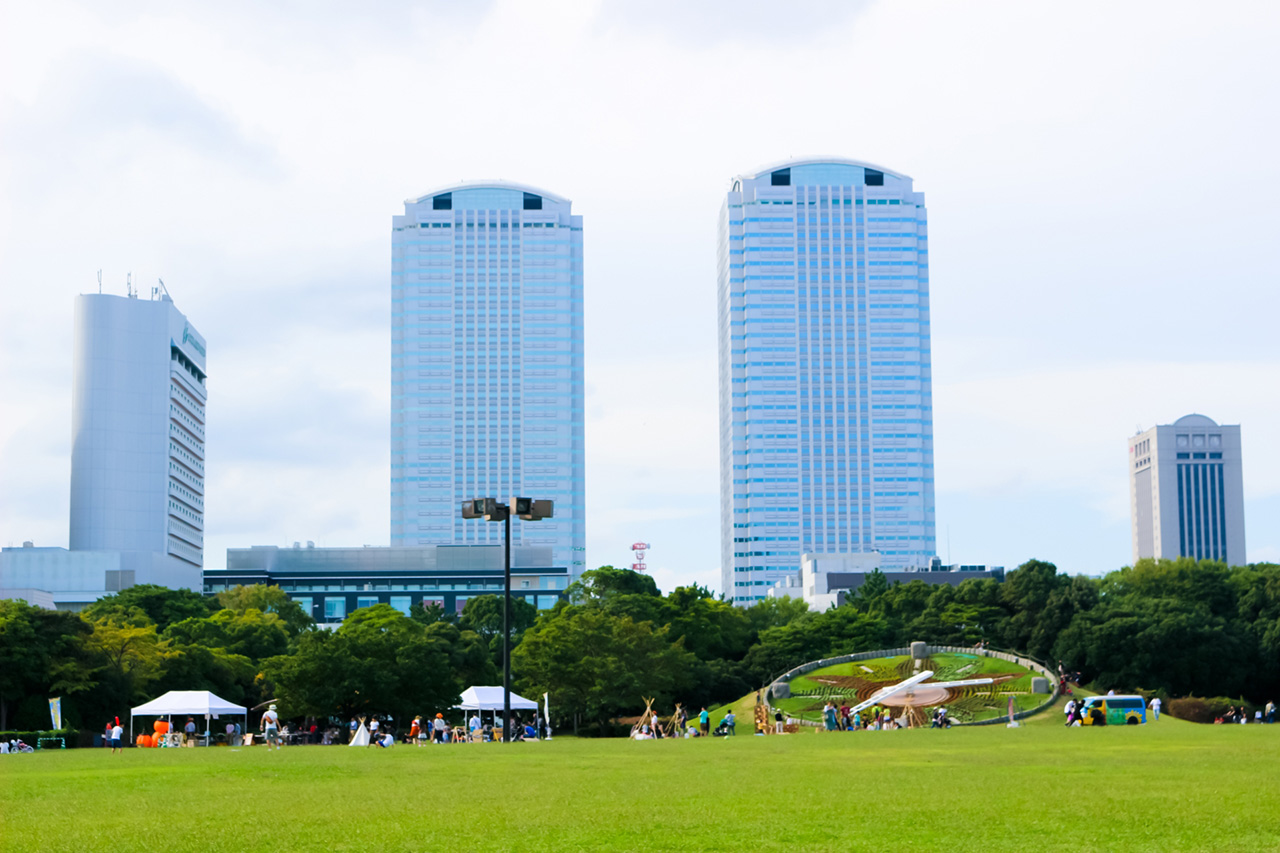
(649,717)
(673,724)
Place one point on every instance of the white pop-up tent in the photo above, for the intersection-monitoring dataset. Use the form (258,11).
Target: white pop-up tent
(190,702)
(490,699)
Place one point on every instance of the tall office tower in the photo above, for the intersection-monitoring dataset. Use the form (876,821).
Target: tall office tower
(1186,490)
(826,414)
(137,455)
(486,376)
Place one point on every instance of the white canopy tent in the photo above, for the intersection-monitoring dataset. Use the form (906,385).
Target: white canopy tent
(190,702)
(490,699)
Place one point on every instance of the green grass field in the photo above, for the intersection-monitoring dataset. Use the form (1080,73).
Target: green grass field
(1170,786)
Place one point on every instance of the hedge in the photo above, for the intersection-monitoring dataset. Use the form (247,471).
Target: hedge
(1205,710)
(71,737)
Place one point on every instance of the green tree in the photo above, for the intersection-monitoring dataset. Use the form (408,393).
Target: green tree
(129,657)
(597,665)
(161,605)
(606,582)
(268,599)
(41,653)
(249,633)
(483,614)
(379,661)
(775,612)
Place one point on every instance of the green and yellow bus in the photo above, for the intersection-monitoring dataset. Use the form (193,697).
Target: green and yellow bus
(1114,711)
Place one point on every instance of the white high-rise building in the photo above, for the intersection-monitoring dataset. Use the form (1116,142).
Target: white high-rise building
(487,368)
(1186,488)
(137,453)
(137,457)
(826,412)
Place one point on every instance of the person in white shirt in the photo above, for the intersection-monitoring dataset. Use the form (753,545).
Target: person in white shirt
(373,732)
(1155,707)
(117,732)
(270,724)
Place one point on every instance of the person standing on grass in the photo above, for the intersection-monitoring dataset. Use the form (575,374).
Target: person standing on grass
(373,732)
(117,732)
(438,729)
(1155,708)
(704,722)
(732,722)
(270,726)
(1270,716)
(190,731)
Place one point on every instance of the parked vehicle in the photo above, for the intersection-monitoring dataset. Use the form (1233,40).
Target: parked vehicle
(1114,711)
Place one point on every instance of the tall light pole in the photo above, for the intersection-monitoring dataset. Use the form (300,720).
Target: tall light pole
(490,510)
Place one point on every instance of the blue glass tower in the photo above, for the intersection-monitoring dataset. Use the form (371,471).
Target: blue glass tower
(486,375)
(826,413)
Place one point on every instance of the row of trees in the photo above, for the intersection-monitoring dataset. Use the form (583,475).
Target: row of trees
(1176,627)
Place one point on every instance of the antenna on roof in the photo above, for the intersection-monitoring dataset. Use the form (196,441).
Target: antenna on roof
(128,285)
(99,282)
(160,291)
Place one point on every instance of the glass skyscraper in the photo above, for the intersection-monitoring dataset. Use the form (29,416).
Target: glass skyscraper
(826,413)
(487,370)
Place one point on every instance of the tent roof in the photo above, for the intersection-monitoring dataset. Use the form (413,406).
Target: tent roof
(490,699)
(188,702)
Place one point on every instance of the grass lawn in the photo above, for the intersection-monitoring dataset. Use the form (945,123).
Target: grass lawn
(1163,787)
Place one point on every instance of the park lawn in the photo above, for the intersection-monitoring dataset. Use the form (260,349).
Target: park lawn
(1045,788)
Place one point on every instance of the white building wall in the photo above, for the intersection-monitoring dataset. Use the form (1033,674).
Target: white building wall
(1186,491)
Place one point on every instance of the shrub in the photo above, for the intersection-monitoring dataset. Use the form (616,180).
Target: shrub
(1197,710)
(71,737)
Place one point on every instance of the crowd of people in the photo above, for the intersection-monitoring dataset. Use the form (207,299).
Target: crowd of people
(437,730)
(877,718)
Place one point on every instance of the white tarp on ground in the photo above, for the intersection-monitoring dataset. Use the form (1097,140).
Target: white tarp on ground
(490,699)
(192,702)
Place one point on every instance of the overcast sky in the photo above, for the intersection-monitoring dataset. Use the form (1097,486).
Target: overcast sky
(1101,180)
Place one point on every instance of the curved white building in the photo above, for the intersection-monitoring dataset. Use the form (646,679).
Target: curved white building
(487,365)
(1186,490)
(826,412)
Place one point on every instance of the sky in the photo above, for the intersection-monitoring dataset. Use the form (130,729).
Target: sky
(1100,180)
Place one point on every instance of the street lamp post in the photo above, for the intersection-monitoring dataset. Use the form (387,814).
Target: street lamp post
(490,510)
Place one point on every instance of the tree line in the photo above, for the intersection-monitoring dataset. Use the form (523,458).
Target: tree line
(1173,627)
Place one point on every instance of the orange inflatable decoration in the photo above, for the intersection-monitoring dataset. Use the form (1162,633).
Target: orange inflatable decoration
(144,740)
(161,727)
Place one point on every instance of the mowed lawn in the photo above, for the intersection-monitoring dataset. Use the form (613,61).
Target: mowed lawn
(1169,786)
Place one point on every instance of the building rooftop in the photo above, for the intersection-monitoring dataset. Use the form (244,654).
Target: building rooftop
(463,186)
(817,161)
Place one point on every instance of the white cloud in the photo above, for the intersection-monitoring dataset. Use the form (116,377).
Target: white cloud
(1099,190)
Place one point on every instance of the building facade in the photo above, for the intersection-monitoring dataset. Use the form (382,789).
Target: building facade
(1186,490)
(137,452)
(487,366)
(330,583)
(826,413)
(137,457)
(827,580)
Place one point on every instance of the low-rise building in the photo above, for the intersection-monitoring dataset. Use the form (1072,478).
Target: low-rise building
(825,580)
(329,583)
